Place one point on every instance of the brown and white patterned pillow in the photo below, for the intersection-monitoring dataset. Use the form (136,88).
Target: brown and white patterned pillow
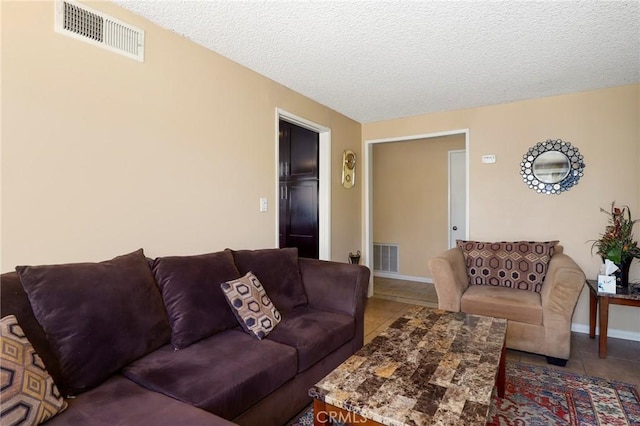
(251,305)
(519,264)
(29,395)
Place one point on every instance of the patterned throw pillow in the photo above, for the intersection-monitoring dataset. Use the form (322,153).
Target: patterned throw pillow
(251,305)
(29,395)
(520,264)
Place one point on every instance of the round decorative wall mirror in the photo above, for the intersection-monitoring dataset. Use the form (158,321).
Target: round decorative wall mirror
(552,166)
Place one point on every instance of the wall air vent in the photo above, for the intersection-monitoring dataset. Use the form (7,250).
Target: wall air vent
(78,21)
(385,257)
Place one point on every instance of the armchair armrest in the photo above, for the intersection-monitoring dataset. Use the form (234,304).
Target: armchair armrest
(450,278)
(337,287)
(560,292)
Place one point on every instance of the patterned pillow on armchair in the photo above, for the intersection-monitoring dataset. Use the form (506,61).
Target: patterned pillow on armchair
(520,264)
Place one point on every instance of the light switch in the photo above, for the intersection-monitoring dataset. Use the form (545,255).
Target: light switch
(489,159)
(264,205)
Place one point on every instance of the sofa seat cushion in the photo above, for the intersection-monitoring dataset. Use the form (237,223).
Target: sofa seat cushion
(119,401)
(313,333)
(224,374)
(502,302)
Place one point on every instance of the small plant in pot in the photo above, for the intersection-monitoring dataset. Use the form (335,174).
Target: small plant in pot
(617,243)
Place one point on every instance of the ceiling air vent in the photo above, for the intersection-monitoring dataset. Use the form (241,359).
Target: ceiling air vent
(78,21)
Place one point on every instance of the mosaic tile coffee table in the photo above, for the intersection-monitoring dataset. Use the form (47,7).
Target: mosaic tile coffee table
(430,367)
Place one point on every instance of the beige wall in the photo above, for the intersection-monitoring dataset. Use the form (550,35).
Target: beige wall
(603,124)
(102,155)
(410,199)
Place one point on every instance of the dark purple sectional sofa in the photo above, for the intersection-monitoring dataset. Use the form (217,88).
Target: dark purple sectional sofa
(136,341)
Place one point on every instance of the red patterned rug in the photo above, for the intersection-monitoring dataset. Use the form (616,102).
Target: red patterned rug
(540,396)
(545,396)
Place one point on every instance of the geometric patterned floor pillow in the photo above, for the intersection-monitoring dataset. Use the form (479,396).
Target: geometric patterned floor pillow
(28,395)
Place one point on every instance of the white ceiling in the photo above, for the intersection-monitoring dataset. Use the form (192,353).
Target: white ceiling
(378,60)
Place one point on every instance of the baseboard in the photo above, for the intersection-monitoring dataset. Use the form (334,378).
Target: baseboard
(611,332)
(402,277)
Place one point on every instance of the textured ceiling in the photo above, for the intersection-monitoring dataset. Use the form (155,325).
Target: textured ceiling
(377,60)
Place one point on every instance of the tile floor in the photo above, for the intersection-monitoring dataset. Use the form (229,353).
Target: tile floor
(416,293)
(622,362)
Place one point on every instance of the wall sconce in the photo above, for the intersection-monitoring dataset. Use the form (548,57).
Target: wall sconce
(348,169)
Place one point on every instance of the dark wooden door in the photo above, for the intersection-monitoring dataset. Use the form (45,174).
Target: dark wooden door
(299,189)
(298,152)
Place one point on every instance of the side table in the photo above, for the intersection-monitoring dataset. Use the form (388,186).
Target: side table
(628,297)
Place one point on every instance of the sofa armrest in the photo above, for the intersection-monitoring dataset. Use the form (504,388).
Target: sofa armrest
(560,292)
(449,275)
(337,287)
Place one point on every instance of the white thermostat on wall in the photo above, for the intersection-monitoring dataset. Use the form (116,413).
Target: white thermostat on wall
(489,159)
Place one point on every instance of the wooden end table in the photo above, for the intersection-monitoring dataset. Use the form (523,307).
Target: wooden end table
(628,297)
(429,367)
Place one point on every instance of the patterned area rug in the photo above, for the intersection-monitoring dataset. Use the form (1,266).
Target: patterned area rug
(544,396)
(540,396)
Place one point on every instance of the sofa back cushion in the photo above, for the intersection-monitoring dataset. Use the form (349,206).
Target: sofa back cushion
(14,301)
(519,264)
(98,317)
(190,287)
(278,272)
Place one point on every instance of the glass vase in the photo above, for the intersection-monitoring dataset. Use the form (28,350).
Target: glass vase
(622,274)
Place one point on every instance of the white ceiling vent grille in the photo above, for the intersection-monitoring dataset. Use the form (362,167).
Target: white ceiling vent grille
(78,21)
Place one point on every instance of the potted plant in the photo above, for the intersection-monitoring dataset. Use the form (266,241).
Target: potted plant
(617,243)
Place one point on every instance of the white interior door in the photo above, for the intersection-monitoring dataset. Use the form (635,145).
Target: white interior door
(457,196)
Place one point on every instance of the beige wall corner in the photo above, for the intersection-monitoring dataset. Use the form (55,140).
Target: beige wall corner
(603,124)
(102,154)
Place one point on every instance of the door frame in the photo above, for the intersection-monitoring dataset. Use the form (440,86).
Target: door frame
(324,179)
(449,153)
(368,188)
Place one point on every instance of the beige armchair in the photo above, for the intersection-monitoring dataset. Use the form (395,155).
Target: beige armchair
(538,322)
